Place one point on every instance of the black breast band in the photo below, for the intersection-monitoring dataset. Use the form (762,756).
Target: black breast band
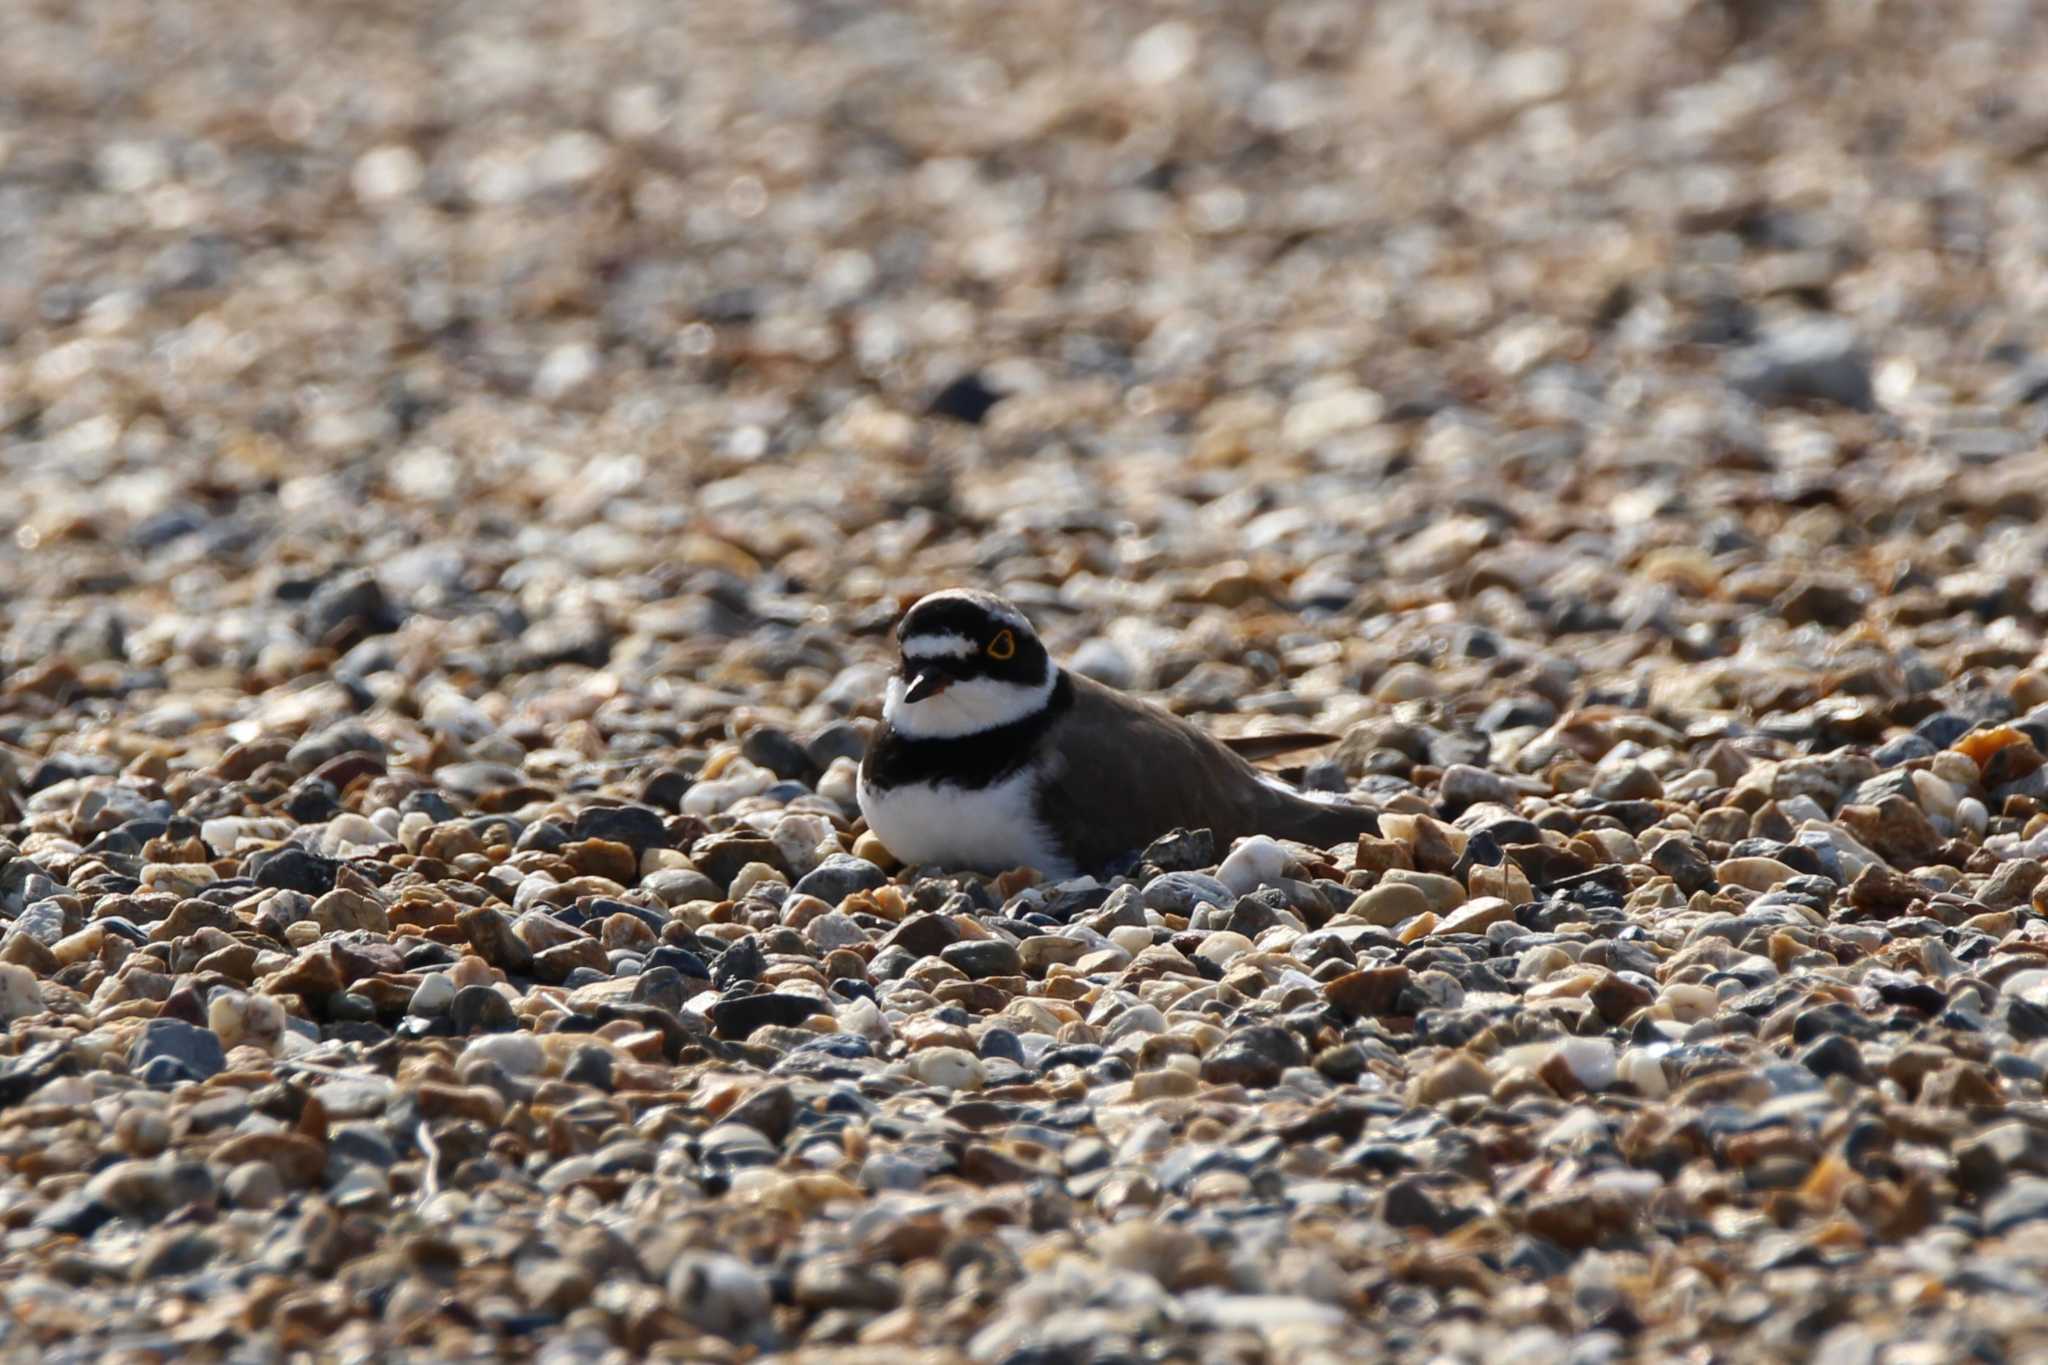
(972,761)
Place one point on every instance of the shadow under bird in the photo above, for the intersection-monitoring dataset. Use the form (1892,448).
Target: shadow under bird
(991,756)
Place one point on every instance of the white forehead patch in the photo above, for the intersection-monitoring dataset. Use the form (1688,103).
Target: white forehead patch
(947,646)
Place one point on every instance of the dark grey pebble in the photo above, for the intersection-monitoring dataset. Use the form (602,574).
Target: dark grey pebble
(481,1009)
(839,876)
(170,1050)
(981,958)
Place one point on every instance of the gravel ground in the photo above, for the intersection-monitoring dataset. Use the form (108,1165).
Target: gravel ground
(462,462)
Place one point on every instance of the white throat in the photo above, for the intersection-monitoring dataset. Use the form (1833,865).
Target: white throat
(965,708)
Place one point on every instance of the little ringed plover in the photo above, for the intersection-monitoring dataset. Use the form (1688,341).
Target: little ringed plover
(991,756)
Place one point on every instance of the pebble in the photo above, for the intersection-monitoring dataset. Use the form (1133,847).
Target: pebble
(517,1054)
(171,1050)
(1253,863)
(20,993)
(949,1068)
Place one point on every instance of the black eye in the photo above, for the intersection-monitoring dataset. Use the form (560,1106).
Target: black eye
(1003,646)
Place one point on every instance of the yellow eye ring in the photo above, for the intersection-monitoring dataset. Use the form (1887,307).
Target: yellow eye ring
(1003,646)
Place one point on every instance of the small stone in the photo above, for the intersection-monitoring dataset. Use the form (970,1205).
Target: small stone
(2025,1200)
(743,961)
(170,1050)
(1180,850)
(1880,893)
(1405,682)
(1463,786)
(1754,873)
(949,1068)
(20,993)
(637,827)
(480,1009)
(1043,951)
(142,1132)
(926,935)
(1389,904)
(490,933)
(1814,358)
(1678,859)
(1458,1074)
(347,736)
(253,1185)
(721,857)
(1616,999)
(1443,893)
(719,1294)
(2013,884)
(982,958)
(1476,916)
(1255,862)
(433,996)
(1407,1203)
(341,912)
(1253,1057)
(603,858)
(1369,992)
(292,868)
(827,1282)
(840,876)
(1179,893)
(517,1054)
(743,1016)
(1895,828)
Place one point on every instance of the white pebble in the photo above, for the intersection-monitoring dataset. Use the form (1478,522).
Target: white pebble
(1132,938)
(1138,1020)
(2030,986)
(718,1293)
(949,1068)
(864,1017)
(518,1053)
(225,1015)
(413,829)
(1644,1072)
(1223,947)
(1252,864)
(834,930)
(1591,1059)
(348,835)
(1972,816)
(739,780)
(384,173)
(753,875)
(1540,964)
(19,993)
(433,995)
(1689,1002)
(805,839)
(264,1020)
(1162,53)
(839,783)
(566,369)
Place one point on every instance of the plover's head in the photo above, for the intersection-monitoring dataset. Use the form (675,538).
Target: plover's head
(971,662)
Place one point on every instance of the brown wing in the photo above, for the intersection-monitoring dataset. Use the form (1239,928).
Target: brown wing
(1259,748)
(1129,772)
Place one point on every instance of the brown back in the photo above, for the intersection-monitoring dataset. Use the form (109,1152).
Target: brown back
(1131,772)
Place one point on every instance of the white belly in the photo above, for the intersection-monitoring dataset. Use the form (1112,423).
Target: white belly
(988,829)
